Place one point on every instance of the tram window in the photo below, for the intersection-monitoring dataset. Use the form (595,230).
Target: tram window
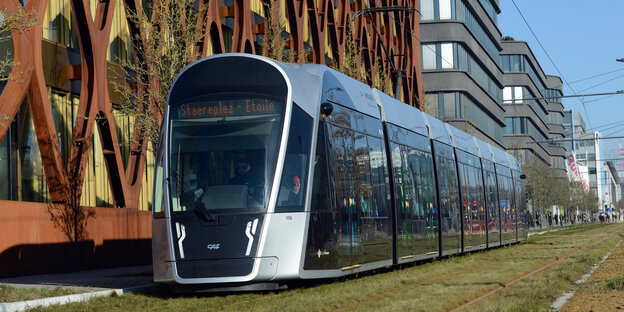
(363,174)
(292,189)
(379,174)
(222,153)
(449,201)
(158,207)
(418,208)
(320,185)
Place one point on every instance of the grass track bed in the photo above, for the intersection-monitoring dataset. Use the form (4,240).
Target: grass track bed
(436,286)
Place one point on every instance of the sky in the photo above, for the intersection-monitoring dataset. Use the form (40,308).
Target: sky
(583,39)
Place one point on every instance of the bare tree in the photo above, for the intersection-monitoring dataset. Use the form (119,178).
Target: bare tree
(428,103)
(19,20)
(167,33)
(538,184)
(351,55)
(70,217)
(273,46)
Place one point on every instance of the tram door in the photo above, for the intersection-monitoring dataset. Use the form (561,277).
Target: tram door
(342,152)
(349,216)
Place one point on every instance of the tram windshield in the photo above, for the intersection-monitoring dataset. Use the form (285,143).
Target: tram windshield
(223,153)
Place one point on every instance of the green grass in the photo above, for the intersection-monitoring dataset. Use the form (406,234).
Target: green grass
(12,294)
(435,286)
(615,284)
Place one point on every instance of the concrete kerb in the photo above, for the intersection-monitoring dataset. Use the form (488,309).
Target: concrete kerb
(558,304)
(60,300)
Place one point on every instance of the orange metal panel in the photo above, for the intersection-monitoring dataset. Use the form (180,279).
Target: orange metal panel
(327,19)
(31,244)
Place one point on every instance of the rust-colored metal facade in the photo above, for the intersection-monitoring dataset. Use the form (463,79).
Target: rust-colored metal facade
(317,31)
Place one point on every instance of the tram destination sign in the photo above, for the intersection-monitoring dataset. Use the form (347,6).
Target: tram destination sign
(226,108)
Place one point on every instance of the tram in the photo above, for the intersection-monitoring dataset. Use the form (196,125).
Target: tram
(269,172)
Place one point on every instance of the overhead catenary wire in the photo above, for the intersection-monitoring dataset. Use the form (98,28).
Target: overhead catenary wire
(619,130)
(556,140)
(575,94)
(607,125)
(602,83)
(600,99)
(551,60)
(590,77)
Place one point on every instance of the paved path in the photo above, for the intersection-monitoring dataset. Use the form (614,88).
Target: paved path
(97,283)
(115,278)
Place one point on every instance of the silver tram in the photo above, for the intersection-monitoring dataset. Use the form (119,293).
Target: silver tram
(268,172)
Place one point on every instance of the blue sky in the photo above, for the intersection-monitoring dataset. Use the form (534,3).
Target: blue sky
(583,39)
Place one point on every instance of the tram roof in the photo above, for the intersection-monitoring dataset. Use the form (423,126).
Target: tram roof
(401,114)
(312,84)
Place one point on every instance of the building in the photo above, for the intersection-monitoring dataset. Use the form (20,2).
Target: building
(588,154)
(461,69)
(585,149)
(557,149)
(613,191)
(568,123)
(533,109)
(64,143)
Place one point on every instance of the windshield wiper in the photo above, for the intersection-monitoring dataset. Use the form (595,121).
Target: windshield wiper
(183,189)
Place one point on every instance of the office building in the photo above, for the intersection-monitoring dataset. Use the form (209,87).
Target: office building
(461,70)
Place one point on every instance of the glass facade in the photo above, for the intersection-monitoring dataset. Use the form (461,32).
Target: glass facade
(458,105)
(31,181)
(60,24)
(559,163)
(555,118)
(458,10)
(520,63)
(22,176)
(59,27)
(489,8)
(517,94)
(8,165)
(524,125)
(446,55)
(553,95)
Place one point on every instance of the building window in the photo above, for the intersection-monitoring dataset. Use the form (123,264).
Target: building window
(520,63)
(446,10)
(449,55)
(458,105)
(491,11)
(429,56)
(427,10)
(553,95)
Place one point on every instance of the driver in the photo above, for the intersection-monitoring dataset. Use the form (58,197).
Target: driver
(244,175)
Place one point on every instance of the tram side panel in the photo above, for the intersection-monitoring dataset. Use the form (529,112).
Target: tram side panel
(473,210)
(415,201)
(350,218)
(448,192)
(505,190)
(493,210)
(522,213)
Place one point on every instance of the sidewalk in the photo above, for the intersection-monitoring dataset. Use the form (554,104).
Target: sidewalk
(102,282)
